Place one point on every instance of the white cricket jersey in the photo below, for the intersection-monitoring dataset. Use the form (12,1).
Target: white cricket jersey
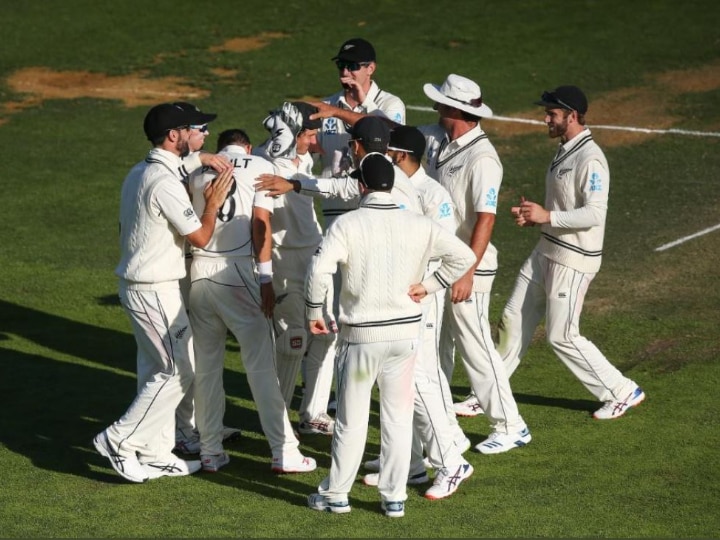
(294,222)
(577,185)
(470,170)
(435,200)
(233,225)
(155,215)
(334,136)
(380,251)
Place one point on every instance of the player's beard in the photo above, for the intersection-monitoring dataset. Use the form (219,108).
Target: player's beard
(558,129)
(183,147)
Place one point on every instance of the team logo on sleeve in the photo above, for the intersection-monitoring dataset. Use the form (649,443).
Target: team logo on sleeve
(330,126)
(398,117)
(444,210)
(188,212)
(595,182)
(491,198)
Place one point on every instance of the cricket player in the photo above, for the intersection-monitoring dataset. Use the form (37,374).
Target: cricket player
(156,217)
(555,278)
(232,289)
(468,166)
(356,63)
(382,253)
(435,426)
(296,235)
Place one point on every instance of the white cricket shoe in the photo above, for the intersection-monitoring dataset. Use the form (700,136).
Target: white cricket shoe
(322,424)
(295,464)
(447,480)
(126,464)
(497,442)
(188,445)
(172,466)
(469,407)
(463,445)
(320,503)
(213,462)
(395,509)
(191,444)
(615,409)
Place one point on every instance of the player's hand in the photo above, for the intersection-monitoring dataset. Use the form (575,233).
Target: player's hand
(462,288)
(532,213)
(317,327)
(216,191)
(267,299)
(356,91)
(273,184)
(417,292)
(325,110)
(215,161)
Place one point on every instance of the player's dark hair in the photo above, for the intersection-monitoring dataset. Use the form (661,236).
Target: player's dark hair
(232,136)
(157,141)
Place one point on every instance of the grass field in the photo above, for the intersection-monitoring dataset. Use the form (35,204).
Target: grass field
(76,78)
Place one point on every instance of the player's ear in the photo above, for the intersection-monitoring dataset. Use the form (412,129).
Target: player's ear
(371,68)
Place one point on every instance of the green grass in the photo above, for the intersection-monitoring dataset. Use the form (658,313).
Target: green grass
(67,355)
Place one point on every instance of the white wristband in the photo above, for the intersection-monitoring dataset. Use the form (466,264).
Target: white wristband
(265,271)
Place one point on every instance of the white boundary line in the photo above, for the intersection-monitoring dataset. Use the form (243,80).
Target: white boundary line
(686,238)
(671,131)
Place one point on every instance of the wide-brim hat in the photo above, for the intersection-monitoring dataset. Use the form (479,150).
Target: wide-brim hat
(460,93)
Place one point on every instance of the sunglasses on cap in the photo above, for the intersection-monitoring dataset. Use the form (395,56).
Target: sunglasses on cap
(342,65)
(202,128)
(552,98)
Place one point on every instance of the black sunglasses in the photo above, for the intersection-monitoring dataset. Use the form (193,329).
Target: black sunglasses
(350,66)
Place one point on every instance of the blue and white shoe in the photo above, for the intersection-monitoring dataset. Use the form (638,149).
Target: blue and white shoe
(615,409)
(320,503)
(395,509)
(498,443)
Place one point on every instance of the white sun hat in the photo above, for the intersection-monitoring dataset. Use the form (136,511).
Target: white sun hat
(460,93)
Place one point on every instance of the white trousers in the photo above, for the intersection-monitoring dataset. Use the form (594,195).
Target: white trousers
(165,365)
(359,366)
(488,377)
(294,343)
(435,426)
(215,308)
(546,288)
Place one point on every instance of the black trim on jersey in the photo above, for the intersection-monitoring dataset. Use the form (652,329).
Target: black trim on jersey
(335,212)
(482,273)
(238,248)
(313,305)
(576,249)
(439,163)
(381,206)
(388,322)
(573,150)
(444,282)
(183,177)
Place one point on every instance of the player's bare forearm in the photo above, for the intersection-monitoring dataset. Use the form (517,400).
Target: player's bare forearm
(267,299)
(262,234)
(275,185)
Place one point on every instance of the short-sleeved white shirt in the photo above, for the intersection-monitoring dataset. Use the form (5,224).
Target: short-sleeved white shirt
(470,170)
(155,215)
(294,222)
(233,226)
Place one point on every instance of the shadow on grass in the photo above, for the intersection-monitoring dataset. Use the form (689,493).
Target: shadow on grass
(53,408)
(543,401)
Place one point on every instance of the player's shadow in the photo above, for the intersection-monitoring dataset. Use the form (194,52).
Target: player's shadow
(543,401)
(55,402)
